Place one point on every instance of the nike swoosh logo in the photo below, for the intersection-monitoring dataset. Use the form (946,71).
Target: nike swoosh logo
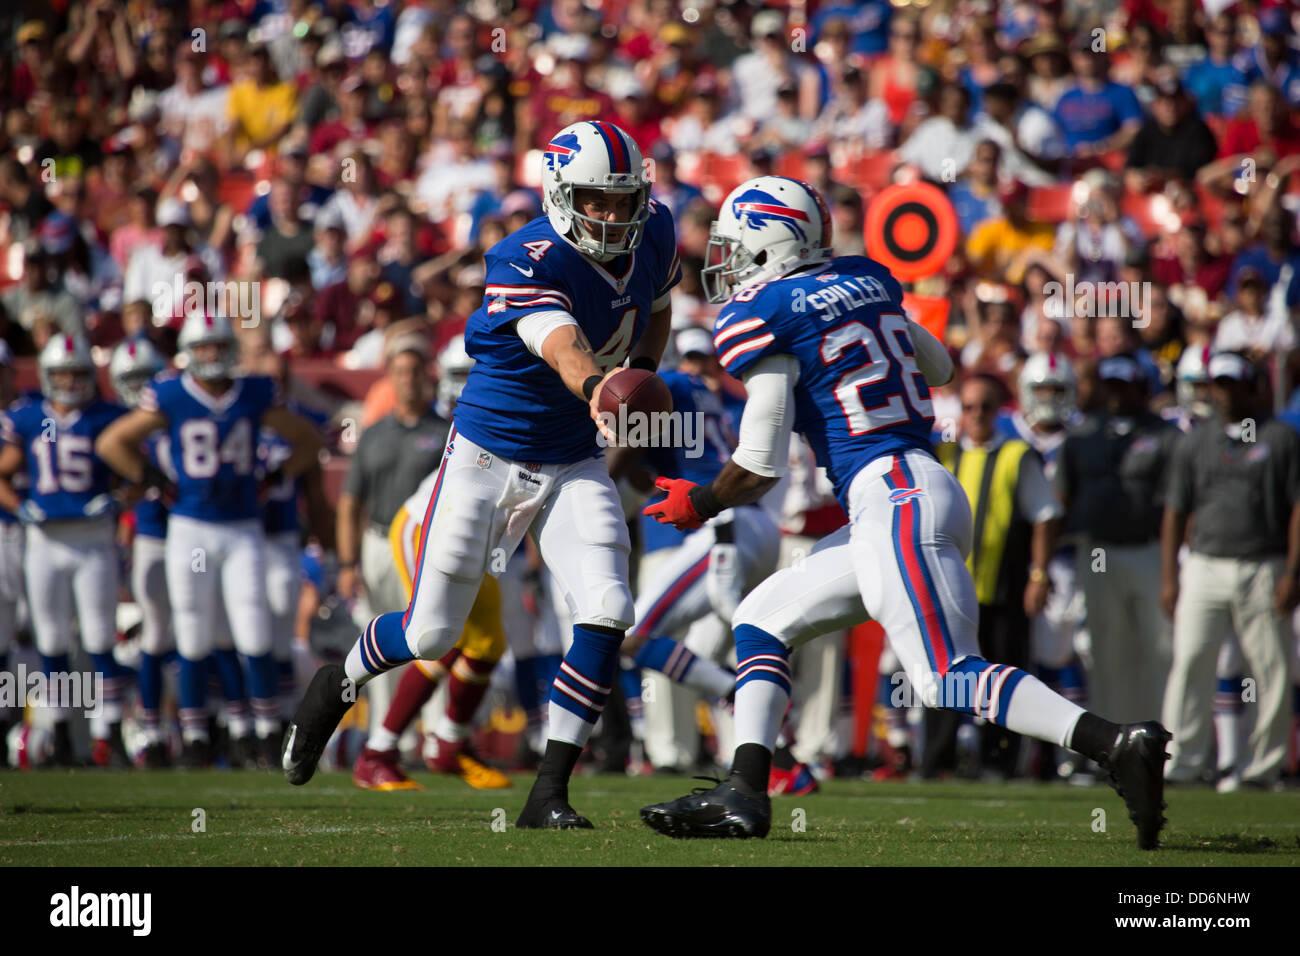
(287,761)
(529,273)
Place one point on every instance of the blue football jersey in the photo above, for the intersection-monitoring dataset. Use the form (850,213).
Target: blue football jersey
(859,395)
(713,420)
(66,479)
(213,443)
(151,513)
(280,510)
(514,404)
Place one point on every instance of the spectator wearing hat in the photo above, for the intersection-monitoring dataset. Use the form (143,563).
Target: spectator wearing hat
(152,269)
(1095,114)
(1049,67)
(1112,475)
(1173,142)
(705,126)
(1214,81)
(33,54)
(349,126)
(851,119)
(757,76)
(942,145)
(998,246)
(1251,328)
(667,188)
(785,128)
(261,107)
(1235,480)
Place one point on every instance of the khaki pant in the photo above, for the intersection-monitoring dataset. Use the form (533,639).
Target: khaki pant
(1216,597)
(1130,635)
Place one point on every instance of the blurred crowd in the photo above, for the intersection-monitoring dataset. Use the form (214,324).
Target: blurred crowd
(343,165)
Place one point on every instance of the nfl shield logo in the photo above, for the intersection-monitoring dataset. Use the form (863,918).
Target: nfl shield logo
(484,460)
(533,466)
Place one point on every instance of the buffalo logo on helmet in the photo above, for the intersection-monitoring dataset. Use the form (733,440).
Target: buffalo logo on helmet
(561,150)
(761,209)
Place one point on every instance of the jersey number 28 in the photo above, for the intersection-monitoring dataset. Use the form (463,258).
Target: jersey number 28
(848,388)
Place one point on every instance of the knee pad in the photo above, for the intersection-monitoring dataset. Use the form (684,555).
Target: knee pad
(459,536)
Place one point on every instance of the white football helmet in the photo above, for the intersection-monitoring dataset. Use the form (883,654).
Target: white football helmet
(67,353)
(201,329)
(134,362)
(766,228)
(454,364)
(1193,381)
(1047,370)
(595,155)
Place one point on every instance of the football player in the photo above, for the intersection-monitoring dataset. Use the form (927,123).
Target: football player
(1047,388)
(70,555)
(852,373)
(12,600)
(215,544)
(134,363)
(569,298)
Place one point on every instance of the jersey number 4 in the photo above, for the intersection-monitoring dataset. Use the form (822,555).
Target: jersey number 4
(200,456)
(848,388)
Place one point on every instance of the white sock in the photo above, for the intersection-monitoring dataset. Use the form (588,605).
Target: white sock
(1036,710)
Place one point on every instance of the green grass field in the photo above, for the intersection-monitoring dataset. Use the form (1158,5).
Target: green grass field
(256,819)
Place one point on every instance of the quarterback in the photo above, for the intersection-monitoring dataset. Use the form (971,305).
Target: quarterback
(569,298)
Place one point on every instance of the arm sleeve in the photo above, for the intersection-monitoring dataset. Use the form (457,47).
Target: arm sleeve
(1034,496)
(536,326)
(931,357)
(768,419)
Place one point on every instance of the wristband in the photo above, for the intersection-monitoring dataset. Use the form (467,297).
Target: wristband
(705,502)
(1037,575)
(645,362)
(589,386)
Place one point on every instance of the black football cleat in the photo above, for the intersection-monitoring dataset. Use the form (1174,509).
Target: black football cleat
(313,723)
(243,753)
(553,814)
(195,755)
(156,757)
(1136,768)
(731,810)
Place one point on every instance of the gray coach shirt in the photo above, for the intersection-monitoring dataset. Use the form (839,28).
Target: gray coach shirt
(390,462)
(1240,494)
(1114,473)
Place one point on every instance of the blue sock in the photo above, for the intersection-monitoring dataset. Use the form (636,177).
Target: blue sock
(381,647)
(527,687)
(194,699)
(150,682)
(229,673)
(953,694)
(55,664)
(671,658)
(263,692)
(582,684)
(1074,685)
(629,679)
(762,687)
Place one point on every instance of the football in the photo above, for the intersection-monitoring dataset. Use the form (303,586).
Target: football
(638,390)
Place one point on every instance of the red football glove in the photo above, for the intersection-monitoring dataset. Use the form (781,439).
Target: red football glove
(676,509)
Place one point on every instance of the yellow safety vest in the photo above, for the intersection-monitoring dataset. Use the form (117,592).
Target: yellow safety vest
(989,479)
